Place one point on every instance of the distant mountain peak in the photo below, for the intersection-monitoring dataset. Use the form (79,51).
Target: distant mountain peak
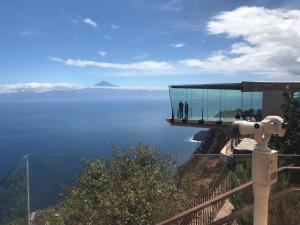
(105,84)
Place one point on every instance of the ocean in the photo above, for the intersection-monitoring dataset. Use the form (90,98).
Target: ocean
(84,122)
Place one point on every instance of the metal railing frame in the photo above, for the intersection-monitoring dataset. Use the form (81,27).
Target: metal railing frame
(190,212)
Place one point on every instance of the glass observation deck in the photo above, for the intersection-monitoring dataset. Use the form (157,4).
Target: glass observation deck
(215,104)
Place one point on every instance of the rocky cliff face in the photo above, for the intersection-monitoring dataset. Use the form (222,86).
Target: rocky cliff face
(213,141)
(201,135)
(205,169)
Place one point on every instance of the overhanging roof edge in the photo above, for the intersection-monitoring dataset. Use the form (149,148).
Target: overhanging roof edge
(245,86)
(231,86)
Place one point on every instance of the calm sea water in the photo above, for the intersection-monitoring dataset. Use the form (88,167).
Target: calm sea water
(87,126)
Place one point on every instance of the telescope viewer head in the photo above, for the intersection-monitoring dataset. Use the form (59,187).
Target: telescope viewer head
(262,131)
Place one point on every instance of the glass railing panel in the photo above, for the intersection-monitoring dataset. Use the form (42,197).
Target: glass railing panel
(50,175)
(178,99)
(215,104)
(194,101)
(13,196)
(211,175)
(231,104)
(173,101)
(252,104)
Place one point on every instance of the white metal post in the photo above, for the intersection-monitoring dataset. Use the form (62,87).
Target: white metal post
(264,165)
(264,162)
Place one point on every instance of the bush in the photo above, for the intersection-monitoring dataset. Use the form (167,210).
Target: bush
(289,144)
(135,186)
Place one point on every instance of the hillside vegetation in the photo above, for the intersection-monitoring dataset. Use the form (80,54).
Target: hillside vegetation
(135,186)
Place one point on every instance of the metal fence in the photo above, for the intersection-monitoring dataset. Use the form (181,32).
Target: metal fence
(205,212)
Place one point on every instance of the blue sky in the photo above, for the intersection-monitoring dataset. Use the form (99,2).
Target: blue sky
(148,43)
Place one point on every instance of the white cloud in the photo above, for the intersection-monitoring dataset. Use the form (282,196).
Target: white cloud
(142,56)
(36,87)
(146,88)
(114,26)
(142,65)
(171,6)
(46,87)
(265,41)
(107,37)
(102,53)
(26,33)
(90,22)
(32,33)
(177,45)
(74,20)
(270,42)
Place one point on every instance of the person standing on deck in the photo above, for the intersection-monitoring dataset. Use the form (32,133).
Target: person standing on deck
(186,110)
(180,109)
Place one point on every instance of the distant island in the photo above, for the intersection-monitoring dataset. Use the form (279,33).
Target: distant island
(105,84)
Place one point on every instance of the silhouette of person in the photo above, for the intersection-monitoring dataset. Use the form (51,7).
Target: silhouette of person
(186,110)
(180,109)
(238,115)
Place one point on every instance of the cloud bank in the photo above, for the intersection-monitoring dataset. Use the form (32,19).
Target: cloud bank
(270,42)
(265,41)
(36,87)
(142,65)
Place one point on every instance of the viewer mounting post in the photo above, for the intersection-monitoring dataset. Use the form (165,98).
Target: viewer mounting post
(264,161)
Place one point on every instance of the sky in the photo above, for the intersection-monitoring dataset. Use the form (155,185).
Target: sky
(147,43)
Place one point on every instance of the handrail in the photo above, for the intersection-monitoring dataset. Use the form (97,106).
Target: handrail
(218,186)
(207,203)
(248,209)
(287,168)
(217,199)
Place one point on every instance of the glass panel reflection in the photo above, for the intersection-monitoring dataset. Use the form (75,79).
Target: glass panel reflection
(215,104)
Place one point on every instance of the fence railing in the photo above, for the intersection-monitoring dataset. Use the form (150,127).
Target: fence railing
(42,185)
(219,186)
(248,209)
(241,195)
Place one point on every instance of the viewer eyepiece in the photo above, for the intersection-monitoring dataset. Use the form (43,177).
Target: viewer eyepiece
(284,125)
(256,126)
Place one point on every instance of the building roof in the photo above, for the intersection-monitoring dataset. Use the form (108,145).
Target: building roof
(230,86)
(245,86)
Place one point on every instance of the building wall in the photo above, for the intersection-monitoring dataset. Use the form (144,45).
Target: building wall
(271,104)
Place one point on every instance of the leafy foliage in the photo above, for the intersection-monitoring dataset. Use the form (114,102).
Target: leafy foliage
(241,173)
(289,144)
(135,186)
(284,210)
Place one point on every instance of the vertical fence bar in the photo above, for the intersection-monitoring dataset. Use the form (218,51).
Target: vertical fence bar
(28,190)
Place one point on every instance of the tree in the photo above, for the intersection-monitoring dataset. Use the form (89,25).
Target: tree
(289,144)
(135,186)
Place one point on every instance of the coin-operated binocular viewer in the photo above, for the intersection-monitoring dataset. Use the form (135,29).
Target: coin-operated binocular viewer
(264,161)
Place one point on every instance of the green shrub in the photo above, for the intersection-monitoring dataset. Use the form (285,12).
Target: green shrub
(135,186)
